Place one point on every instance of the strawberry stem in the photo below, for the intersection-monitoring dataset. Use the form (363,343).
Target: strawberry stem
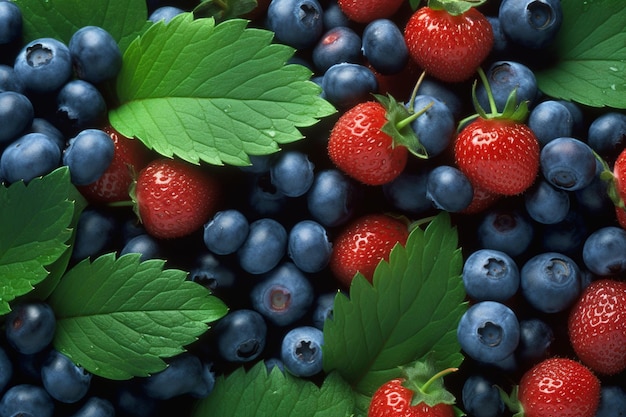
(437,376)
(492,101)
(406,121)
(415,88)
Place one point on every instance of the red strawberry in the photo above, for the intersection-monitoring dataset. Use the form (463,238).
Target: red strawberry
(129,157)
(419,393)
(497,151)
(617,186)
(558,387)
(174,198)
(448,43)
(370,142)
(363,243)
(364,11)
(597,326)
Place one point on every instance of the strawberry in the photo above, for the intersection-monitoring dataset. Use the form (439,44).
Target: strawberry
(370,142)
(174,198)
(497,151)
(556,387)
(418,393)
(616,186)
(449,40)
(597,326)
(363,243)
(365,11)
(129,157)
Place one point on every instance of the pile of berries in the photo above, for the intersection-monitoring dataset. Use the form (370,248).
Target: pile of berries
(535,186)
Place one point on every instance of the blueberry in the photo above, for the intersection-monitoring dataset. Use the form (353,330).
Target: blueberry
(88,155)
(26,400)
(144,244)
(210,272)
(604,251)
(549,120)
(30,156)
(567,236)
(347,84)
(259,164)
(130,401)
(568,163)
(509,231)
(94,233)
(263,196)
(550,281)
(8,79)
(80,105)
(297,23)
(594,199)
(488,331)
(63,380)
(301,351)
(185,375)
(408,192)
(531,23)
(536,338)
(41,125)
(435,128)
(481,397)
(490,275)
(292,173)
(43,65)
(432,87)
(612,401)
(501,43)
(308,246)
(332,197)
(607,134)
(504,77)
(165,14)
(95,54)
(449,189)
(339,44)
(226,231)
(323,309)
(264,247)
(334,16)
(10,22)
(6,369)
(545,203)
(384,46)
(283,296)
(16,114)
(30,327)
(95,407)
(240,335)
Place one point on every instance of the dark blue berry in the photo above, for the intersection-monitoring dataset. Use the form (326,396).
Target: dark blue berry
(347,84)
(292,173)
(612,401)
(339,44)
(334,16)
(145,245)
(536,338)
(481,397)
(323,309)
(41,125)
(604,251)
(6,369)
(435,128)
(95,407)
(503,78)
(95,231)
(63,380)
(9,81)
(210,272)
(43,65)
(545,203)
(408,192)
(449,189)
(264,247)
(301,351)
(80,105)
(509,231)
(16,114)
(185,375)
(30,327)
(10,22)
(95,54)
(549,120)
(308,246)
(384,46)
(240,335)
(297,23)
(332,197)
(531,23)
(165,14)
(226,231)
(607,134)
(568,163)
(490,275)
(88,155)
(30,156)
(26,400)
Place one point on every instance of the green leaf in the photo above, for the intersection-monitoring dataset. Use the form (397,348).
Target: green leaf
(222,10)
(35,220)
(259,393)
(213,93)
(412,308)
(119,317)
(590,50)
(123,19)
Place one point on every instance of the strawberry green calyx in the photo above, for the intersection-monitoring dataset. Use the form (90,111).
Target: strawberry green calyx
(427,383)
(511,401)
(398,125)
(611,183)
(454,7)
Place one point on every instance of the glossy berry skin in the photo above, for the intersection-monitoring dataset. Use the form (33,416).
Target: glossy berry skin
(283,295)
(612,401)
(323,309)
(362,244)
(226,231)
(536,339)
(545,203)
(549,120)
(164,14)
(80,105)
(29,156)
(359,148)
(365,11)
(490,275)
(448,47)
(308,246)
(43,65)
(30,327)
(143,244)
(301,351)
(503,78)
(559,387)
(604,251)
(436,127)
(95,231)
(240,335)
(184,375)
(10,22)
(347,84)
(408,192)
(95,54)
(393,399)
(63,380)
(175,198)
(531,23)
(449,189)
(597,326)
(292,173)
(481,397)
(332,197)
(488,331)
(264,247)
(129,157)
(509,231)
(607,134)
(500,156)
(88,155)
(26,400)
(6,369)
(339,44)
(297,23)
(550,281)
(16,114)
(384,47)
(8,79)
(211,273)
(96,407)
(568,163)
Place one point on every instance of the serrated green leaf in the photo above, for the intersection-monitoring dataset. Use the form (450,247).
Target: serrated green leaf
(118,317)
(213,93)
(590,50)
(412,308)
(35,220)
(258,392)
(123,19)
